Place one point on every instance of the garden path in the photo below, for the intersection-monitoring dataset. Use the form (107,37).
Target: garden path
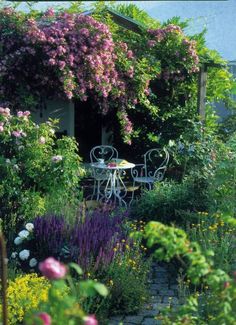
(163,290)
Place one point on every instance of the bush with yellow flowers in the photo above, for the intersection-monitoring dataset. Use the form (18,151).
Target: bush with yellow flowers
(23,293)
(126,277)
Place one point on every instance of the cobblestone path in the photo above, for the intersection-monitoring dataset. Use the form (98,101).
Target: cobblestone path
(163,292)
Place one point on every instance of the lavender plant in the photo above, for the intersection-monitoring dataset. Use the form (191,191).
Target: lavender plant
(50,235)
(93,242)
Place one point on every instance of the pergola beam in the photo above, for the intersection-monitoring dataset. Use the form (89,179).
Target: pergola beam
(202,84)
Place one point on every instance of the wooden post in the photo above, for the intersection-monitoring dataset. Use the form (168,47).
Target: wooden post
(3,270)
(202,91)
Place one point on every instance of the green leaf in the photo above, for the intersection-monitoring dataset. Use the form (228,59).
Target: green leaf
(101,289)
(76,267)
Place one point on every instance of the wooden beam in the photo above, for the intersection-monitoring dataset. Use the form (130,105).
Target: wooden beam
(121,20)
(202,92)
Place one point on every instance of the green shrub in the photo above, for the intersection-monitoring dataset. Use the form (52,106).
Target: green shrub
(35,168)
(127,279)
(167,198)
(223,186)
(212,233)
(215,303)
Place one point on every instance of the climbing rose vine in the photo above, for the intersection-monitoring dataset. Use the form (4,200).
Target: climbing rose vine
(67,55)
(179,58)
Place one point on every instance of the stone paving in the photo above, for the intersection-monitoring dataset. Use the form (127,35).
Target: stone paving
(163,289)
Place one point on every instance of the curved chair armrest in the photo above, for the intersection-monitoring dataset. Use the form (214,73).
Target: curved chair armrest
(137,170)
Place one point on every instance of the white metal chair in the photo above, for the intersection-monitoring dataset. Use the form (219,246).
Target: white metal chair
(152,170)
(101,152)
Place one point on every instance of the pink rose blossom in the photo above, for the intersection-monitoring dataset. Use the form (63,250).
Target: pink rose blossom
(50,12)
(47,320)
(1,128)
(151,43)
(52,269)
(130,54)
(16,134)
(90,320)
(20,114)
(5,111)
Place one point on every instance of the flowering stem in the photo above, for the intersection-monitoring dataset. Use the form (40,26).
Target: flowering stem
(3,270)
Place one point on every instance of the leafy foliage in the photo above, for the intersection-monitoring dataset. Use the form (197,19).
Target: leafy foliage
(34,166)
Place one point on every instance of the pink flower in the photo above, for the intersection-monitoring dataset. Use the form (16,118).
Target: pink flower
(47,320)
(62,65)
(42,140)
(52,62)
(151,43)
(50,12)
(16,134)
(5,111)
(90,320)
(1,128)
(130,54)
(52,269)
(26,113)
(20,114)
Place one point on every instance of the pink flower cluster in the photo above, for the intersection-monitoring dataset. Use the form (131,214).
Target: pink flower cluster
(52,269)
(5,112)
(23,114)
(18,134)
(126,126)
(1,127)
(161,33)
(80,50)
(185,59)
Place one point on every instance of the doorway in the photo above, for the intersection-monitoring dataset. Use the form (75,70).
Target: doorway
(88,127)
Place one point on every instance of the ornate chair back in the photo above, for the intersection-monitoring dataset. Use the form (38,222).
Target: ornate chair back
(103,152)
(155,163)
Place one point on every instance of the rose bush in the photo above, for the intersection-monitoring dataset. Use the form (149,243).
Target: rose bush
(33,172)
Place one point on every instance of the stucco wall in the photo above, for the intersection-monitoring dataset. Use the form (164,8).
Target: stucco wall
(57,109)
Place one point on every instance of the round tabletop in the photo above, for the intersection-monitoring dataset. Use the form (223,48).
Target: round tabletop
(127,165)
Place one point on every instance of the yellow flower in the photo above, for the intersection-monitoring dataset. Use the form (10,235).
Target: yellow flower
(25,293)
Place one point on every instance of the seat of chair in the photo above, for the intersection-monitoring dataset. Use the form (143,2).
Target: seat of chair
(101,177)
(144,179)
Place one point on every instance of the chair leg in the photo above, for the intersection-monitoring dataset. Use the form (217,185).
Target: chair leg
(98,190)
(132,197)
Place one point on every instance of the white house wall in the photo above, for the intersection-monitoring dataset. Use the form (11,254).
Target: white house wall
(57,109)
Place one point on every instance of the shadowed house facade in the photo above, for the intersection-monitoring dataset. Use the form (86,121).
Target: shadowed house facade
(78,118)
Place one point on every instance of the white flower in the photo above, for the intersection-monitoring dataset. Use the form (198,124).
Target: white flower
(42,140)
(52,131)
(29,226)
(8,161)
(16,167)
(14,254)
(24,255)
(57,158)
(18,240)
(23,234)
(33,262)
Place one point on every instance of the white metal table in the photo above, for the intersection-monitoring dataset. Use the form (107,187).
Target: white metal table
(115,187)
